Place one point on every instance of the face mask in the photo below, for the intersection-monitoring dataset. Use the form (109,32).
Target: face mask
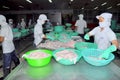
(11,22)
(104,24)
(41,22)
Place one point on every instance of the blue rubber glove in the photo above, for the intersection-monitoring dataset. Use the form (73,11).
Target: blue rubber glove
(86,37)
(107,52)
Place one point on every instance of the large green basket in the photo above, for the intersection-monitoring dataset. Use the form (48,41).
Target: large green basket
(59,29)
(85,45)
(15,30)
(95,53)
(41,61)
(68,24)
(66,61)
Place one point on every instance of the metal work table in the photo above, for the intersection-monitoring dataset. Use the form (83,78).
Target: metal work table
(55,71)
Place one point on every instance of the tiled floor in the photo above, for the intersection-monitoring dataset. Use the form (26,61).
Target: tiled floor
(26,45)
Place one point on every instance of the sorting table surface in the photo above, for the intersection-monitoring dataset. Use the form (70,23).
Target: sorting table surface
(56,71)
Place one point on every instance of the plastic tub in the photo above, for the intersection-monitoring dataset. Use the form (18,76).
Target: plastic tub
(85,45)
(41,61)
(66,61)
(91,56)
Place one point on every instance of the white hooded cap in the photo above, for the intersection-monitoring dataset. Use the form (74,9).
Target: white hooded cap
(107,20)
(80,16)
(106,16)
(2,19)
(10,20)
(43,17)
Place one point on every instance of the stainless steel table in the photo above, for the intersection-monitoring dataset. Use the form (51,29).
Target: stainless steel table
(55,71)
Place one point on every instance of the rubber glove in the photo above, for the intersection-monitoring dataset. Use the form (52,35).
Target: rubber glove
(107,52)
(86,37)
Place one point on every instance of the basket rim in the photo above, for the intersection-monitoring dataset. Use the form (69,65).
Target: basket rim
(60,49)
(103,61)
(28,52)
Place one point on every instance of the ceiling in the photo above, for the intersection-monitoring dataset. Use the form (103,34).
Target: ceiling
(7,5)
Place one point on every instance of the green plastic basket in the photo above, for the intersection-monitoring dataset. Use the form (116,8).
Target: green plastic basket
(16,34)
(118,35)
(85,45)
(51,36)
(58,29)
(41,61)
(68,24)
(66,61)
(91,56)
(15,30)
(64,37)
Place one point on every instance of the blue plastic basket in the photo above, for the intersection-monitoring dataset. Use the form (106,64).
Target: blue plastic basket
(85,45)
(66,61)
(88,53)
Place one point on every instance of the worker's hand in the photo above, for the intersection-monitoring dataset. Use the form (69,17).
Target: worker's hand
(43,36)
(86,37)
(1,38)
(107,52)
(49,37)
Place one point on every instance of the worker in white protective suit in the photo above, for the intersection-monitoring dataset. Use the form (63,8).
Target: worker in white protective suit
(38,30)
(80,24)
(23,24)
(104,37)
(30,22)
(10,22)
(8,48)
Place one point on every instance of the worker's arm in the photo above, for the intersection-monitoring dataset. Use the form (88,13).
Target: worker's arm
(91,33)
(110,49)
(115,42)
(1,39)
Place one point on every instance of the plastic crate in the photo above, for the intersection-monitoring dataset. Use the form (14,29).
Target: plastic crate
(92,57)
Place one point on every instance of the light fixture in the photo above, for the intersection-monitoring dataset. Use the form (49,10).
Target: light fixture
(6,7)
(21,6)
(50,1)
(92,0)
(71,0)
(118,4)
(96,8)
(82,8)
(104,4)
(109,7)
(29,1)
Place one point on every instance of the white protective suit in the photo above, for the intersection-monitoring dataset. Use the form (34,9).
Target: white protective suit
(106,36)
(10,22)
(23,24)
(30,22)
(38,30)
(81,24)
(6,32)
